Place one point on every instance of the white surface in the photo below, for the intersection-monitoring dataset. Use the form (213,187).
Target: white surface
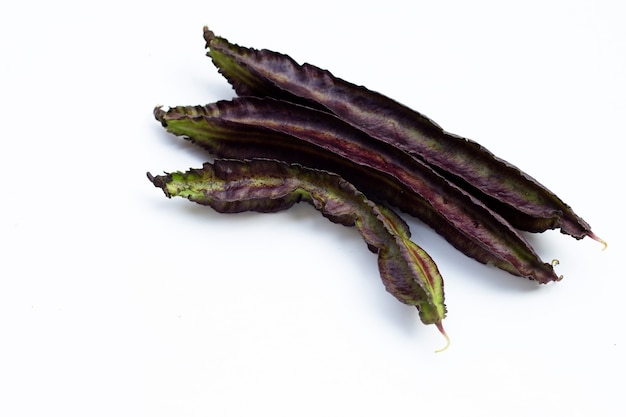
(117,301)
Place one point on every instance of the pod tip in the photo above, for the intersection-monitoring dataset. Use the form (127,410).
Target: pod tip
(208,35)
(443,332)
(160,181)
(158,112)
(597,239)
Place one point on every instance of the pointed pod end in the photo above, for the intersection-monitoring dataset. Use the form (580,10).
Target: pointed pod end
(208,35)
(597,239)
(554,263)
(443,332)
(159,181)
(159,113)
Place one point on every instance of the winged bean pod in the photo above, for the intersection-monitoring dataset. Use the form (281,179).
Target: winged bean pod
(231,186)
(464,221)
(227,140)
(515,195)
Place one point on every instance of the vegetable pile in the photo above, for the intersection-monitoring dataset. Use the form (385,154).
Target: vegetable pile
(298,133)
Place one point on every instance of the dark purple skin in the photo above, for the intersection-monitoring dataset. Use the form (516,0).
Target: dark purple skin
(378,169)
(510,192)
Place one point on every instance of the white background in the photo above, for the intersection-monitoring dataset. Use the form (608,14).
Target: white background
(116,301)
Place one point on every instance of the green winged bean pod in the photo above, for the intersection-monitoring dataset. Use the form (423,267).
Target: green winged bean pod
(263,185)
(515,195)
